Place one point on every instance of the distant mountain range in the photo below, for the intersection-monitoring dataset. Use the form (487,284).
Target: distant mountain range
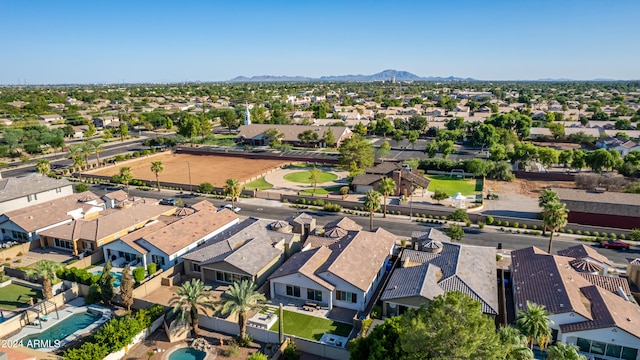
(386,75)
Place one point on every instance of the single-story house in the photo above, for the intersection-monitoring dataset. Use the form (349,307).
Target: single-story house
(251,250)
(104,121)
(164,241)
(51,118)
(585,310)
(437,266)
(345,273)
(255,134)
(609,209)
(404,178)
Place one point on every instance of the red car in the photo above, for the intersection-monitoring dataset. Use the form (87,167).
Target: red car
(614,244)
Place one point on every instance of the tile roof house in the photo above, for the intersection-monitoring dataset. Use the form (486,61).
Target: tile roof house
(91,234)
(19,192)
(249,250)
(401,175)
(27,223)
(165,240)
(439,266)
(584,309)
(338,273)
(610,209)
(255,134)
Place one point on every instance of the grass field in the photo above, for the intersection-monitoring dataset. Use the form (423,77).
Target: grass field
(321,191)
(15,296)
(303,177)
(259,184)
(311,327)
(452,186)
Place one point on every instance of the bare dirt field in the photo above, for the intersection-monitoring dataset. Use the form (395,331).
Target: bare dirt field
(204,168)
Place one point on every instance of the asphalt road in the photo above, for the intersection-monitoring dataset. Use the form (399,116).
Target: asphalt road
(398,225)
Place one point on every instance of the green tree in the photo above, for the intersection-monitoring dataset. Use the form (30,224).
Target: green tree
(534,324)
(329,138)
(557,130)
(157,168)
(105,284)
(90,132)
(384,127)
(546,197)
(548,156)
(554,218)
(635,235)
(562,351)
(432,148)
(126,288)
(229,119)
(578,159)
(600,159)
(274,136)
(387,187)
(398,136)
(233,189)
(124,131)
(126,176)
(384,149)
(477,167)
(446,147)
(360,129)
(486,136)
(514,344)
(45,269)
(76,155)
(240,298)
(412,137)
(452,326)
(565,157)
(381,344)
(439,195)
(356,150)
(308,136)
(205,188)
(314,177)
(191,298)
(372,204)
(43,167)
(81,187)
(455,232)
(97,149)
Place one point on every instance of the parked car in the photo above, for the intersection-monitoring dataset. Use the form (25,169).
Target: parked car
(234,209)
(168,201)
(614,244)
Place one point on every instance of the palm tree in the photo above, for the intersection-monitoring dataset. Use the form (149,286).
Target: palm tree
(371,204)
(190,299)
(43,167)
(126,176)
(387,187)
(233,189)
(546,196)
(514,344)
(86,149)
(554,218)
(241,298)
(562,351)
(314,176)
(97,149)
(78,160)
(156,168)
(534,324)
(45,269)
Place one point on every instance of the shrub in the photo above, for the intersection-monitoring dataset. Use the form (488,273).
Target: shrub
(480,224)
(459,215)
(523,226)
(489,220)
(245,341)
(569,231)
(468,223)
(596,234)
(506,223)
(232,350)
(151,268)
(291,352)
(498,222)
(622,236)
(205,188)
(376,312)
(613,235)
(587,233)
(498,257)
(635,235)
(257,356)
(81,187)
(138,274)
(516,224)
(578,232)
(332,207)
(535,227)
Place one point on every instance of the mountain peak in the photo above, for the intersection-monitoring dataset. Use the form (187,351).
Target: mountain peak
(385,75)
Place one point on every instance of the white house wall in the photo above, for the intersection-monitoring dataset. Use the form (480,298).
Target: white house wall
(345,286)
(9,226)
(606,335)
(41,197)
(119,245)
(279,287)
(565,318)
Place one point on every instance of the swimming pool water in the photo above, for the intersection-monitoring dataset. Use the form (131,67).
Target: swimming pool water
(187,354)
(117,278)
(61,330)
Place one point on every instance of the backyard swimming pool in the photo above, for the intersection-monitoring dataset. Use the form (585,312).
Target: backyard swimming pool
(187,354)
(61,330)
(116,276)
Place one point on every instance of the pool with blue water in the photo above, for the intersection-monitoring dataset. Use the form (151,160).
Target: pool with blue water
(187,354)
(60,330)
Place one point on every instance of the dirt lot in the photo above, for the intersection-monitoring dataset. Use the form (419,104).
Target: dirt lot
(529,188)
(204,168)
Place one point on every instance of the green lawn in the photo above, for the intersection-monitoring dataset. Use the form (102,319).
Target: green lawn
(311,327)
(259,184)
(15,296)
(321,191)
(451,185)
(303,177)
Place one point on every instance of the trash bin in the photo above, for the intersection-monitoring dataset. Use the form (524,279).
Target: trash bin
(499,245)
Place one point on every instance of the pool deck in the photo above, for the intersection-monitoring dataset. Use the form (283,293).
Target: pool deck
(71,308)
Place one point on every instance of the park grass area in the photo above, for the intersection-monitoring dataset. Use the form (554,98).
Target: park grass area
(303,177)
(311,327)
(321,191)
(258,184)
(220,140)
(14,296)
(452,186)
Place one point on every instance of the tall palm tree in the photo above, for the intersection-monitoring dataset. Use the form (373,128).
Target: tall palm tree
(314,177)
(97,149)
(241,298)
(87,150)
(190,299)
(387,187)
(372,204)
(546,196)
(126,176)
(514,344)
(43,167)
(156,168)
(554,218)
(562,351)
(233,189)
(534,324)
(45,269)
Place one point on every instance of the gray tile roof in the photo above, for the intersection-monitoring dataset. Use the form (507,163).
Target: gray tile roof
(582,251)
(290,132)
(467,268)
(384,168)
(344,223)
(608,202)
(17,187)
(365,179)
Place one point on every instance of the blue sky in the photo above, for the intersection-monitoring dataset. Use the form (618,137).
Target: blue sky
(50,42)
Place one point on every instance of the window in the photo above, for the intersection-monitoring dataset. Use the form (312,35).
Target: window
(629,353)
(88,245)
(31,197)
(584,345)
(314,295)
(229,278)
(346,296)
(58,190)
(597,347)
(293,291)
(19,235)
(159,260)
(63,244)
(610,350)
(614,350)
(196,267)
